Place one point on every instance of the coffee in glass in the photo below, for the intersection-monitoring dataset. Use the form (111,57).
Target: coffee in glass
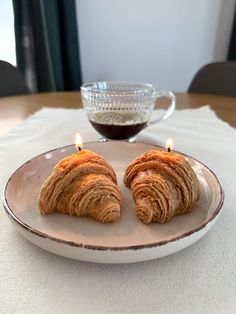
(120,110)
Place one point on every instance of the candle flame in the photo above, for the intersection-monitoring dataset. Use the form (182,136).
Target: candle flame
(78,141)
(169,145)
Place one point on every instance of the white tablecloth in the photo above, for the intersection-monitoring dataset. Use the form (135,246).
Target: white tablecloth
(199,279)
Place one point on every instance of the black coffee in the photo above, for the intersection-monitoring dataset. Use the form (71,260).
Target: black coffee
(118,125)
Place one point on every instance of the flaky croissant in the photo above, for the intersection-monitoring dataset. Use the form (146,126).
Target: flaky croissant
(82,184)
(163,185)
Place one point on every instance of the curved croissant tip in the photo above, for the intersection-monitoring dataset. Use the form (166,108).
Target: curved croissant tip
(144,214)
(114,213)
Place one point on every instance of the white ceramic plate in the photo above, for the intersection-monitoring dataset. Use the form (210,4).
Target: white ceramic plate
(125,241)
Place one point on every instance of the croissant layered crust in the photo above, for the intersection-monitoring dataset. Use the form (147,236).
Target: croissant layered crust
(162,185)
(82,184)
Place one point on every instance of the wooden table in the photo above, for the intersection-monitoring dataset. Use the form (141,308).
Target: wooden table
(13,110)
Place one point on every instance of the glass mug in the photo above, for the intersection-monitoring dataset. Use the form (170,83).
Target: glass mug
(120,110)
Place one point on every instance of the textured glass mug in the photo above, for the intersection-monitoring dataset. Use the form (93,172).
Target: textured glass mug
(120,110)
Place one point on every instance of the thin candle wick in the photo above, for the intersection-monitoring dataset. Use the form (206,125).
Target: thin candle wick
(168,149)
(78,148)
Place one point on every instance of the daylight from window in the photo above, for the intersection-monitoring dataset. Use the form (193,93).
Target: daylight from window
(7,42)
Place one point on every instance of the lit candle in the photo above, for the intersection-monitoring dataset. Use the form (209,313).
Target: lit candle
(78,142)
(169,145)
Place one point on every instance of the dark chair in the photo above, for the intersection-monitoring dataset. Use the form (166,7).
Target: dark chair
(215,78)
(11,81)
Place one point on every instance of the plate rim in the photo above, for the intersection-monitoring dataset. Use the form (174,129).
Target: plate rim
(36,232)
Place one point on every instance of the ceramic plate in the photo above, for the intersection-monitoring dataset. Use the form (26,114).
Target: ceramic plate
(124,241)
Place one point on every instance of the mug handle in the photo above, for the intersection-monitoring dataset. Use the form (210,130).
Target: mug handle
(171,107)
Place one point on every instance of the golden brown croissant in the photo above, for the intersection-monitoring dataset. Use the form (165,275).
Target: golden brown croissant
(163,185)
(82,184)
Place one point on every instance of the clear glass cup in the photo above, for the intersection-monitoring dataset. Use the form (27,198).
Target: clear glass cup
(120,110)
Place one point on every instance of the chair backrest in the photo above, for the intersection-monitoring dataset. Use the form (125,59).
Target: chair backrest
(215,78)
(11,81)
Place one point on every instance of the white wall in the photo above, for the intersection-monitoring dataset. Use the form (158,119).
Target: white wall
(163,42)
(7,34)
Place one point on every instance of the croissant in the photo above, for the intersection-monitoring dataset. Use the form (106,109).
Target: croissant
(162,184)
(82,184)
